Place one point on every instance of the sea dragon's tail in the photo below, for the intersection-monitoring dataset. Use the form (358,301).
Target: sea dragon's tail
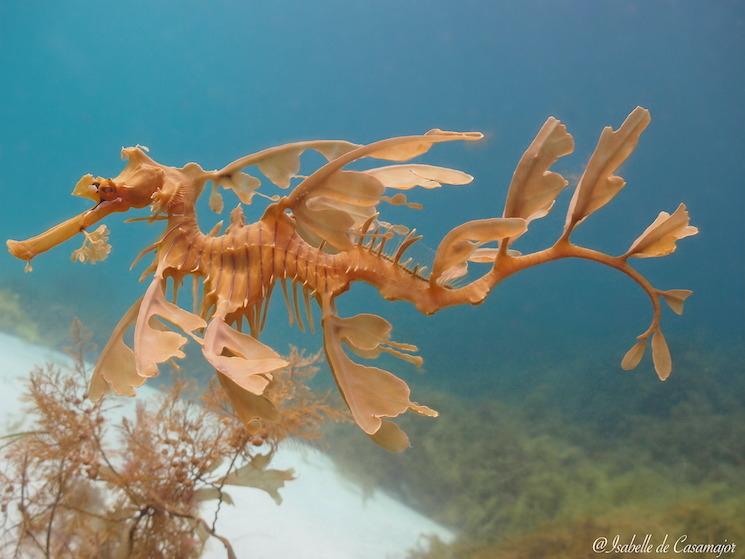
(374,394)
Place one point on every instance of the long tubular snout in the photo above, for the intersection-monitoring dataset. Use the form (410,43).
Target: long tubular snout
(26,250)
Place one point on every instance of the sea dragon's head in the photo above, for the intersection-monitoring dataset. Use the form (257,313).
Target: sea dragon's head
(139,184)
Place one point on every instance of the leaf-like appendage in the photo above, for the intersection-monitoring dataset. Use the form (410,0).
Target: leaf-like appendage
(209,493)
(598,184)
(337,206)
(248,406)
(371,393)
(663,363)
(660,237)
(330,224)
(489,255)
(95,247)
(321,201)
(368,335)
(412,146)
(243,184)
(281,164)
(400,199)
(353,188)
(153,344)
(406,177)
(391,437)
(331,149)
(458,245)
(254,474)
(534,188)
(115,369)
(634,355)
(675,298)
(84,188)
(249,363)
(281,167)
(364,331)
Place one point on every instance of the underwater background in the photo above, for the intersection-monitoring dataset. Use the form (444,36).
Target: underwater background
(543,443)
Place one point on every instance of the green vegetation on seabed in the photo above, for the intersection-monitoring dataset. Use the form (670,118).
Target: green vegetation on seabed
(544,477)
(14,319)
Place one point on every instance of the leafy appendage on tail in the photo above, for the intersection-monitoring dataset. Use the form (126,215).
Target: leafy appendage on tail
(458,247)
(598,185)
(534,189)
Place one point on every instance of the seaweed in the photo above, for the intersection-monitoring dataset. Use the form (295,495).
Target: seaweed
(76,482)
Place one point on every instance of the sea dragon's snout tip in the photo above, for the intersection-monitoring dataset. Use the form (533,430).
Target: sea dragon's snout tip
(18,249)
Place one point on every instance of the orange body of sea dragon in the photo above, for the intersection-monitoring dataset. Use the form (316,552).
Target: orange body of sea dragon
(324,235)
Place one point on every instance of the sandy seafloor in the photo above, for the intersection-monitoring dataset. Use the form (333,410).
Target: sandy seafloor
(323,515)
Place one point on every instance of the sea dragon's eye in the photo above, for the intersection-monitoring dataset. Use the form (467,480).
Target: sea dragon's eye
(106,190)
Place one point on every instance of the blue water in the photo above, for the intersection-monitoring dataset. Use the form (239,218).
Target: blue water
(208,82)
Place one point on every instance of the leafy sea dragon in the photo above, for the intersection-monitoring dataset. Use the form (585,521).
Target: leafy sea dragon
(324,235)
